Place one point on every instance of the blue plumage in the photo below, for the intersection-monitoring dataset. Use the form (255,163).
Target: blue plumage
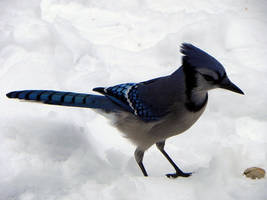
(196,57)
(127,96)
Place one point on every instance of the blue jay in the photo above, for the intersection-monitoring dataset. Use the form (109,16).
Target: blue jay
(150,112)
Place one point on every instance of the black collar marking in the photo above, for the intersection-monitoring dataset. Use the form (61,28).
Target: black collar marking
(190,78)
(190,84)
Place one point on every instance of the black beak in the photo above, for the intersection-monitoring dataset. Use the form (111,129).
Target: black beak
(228,85)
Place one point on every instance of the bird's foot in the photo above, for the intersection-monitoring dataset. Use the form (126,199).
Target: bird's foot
(175,175)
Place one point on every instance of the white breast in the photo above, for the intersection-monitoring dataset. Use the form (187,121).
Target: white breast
(145,134)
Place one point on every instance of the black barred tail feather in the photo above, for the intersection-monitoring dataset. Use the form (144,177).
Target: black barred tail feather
(65,99)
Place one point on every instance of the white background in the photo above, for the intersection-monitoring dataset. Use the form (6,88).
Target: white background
(49,152)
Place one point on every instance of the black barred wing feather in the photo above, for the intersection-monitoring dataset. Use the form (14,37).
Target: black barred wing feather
(127,96)
(118,94)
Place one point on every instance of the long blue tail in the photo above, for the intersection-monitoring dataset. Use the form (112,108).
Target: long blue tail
(66,99)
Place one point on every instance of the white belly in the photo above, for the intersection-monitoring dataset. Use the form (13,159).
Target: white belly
(145,134)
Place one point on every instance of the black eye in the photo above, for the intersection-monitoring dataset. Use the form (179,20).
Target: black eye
(208,78)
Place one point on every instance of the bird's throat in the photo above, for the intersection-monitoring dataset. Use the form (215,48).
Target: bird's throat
(196,102)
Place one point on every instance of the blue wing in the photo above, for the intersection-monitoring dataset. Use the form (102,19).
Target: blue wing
(127,96)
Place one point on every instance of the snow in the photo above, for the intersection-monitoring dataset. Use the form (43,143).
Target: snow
(50,152)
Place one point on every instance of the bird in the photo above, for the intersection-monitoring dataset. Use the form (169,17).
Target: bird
(151,111)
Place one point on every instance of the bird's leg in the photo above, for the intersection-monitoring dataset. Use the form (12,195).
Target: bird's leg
(179,172)
(139,154)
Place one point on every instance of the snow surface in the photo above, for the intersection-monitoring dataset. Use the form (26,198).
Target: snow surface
(49,152)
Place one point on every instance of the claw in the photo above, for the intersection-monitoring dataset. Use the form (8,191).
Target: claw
(175,175)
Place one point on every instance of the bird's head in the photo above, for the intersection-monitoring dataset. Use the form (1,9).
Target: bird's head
(204,72)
